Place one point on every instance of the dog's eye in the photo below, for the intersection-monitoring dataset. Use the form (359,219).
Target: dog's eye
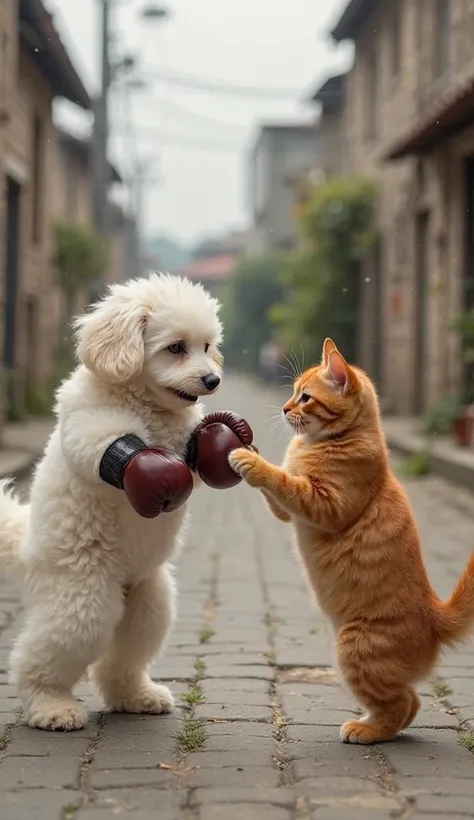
(304,398)
(177,347)
(206,347)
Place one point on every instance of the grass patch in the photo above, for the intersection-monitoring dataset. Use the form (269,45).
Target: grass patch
(441,689)
(207,632)
(192,736)
(4,741)
(416,465)
(199,668)
(194,696)
(466,739)
(69,811)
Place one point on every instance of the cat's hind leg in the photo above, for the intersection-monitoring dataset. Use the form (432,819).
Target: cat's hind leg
(379,680)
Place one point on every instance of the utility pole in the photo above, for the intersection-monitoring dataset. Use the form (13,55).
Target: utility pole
(100,167)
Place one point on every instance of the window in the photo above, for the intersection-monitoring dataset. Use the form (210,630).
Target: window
(36,180)
(442,33)
(372,95)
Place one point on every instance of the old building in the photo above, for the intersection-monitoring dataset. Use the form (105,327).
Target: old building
(283,154)
(409,110)
(34,69)
(331,126)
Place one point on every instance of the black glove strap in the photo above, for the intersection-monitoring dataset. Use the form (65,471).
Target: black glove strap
(190,452)
(116,458)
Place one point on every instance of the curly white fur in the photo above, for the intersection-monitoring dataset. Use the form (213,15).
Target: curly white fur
(98,591)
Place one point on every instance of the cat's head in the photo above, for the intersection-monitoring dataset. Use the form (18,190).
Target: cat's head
(330,398)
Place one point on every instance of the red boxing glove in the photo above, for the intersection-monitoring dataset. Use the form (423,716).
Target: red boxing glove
(154,480)
(208,449)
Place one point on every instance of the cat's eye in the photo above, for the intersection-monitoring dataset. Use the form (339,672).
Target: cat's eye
(177,348)
(304,398)
(206,347)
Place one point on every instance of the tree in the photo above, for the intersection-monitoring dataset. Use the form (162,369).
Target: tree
(81,257)
(322,279)
(254,288)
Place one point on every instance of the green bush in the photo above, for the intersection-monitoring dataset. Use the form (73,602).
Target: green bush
(322,280)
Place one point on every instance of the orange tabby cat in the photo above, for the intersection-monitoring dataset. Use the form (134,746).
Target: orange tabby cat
(360,545)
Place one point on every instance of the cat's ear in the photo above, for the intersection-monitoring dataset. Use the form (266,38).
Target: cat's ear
(338,371)
(328,347)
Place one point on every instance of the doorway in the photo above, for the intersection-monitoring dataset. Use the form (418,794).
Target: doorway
(420,311)
(11,283)
(468,289)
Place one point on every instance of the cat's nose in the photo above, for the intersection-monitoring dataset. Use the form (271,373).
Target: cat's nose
(286,410)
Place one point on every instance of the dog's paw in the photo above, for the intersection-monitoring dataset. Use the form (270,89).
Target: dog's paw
(246,463)
(151,698)
(63,716)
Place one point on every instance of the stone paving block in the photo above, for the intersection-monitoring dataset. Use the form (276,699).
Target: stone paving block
(262,746)
(442,806)
(106,758)
(235,795)
(39,804)
(121,801)
(334,759)
(231,758)
(232,698)
(239,730)
(261,777)
(348,813)
(234,685)
(114,778)
(235,659)
(243,812)
(36,772)
(446,785)
(47,744)
(231,712)
(430,752)
(318,717)
(258,672)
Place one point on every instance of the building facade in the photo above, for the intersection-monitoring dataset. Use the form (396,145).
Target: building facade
(410,124)
(34,69)
(283,154)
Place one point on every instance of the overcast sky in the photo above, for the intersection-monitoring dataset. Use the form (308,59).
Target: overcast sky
(196,142)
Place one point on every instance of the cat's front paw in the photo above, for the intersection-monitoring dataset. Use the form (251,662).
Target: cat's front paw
(246,463)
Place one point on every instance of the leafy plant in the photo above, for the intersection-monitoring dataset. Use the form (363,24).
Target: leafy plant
(322,280)
(254,287)
(81,256)
(463,325)
(439,418)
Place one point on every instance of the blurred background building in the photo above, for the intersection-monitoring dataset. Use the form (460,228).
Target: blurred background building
(355,203)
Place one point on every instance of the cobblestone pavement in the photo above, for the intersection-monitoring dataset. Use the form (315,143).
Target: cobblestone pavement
(256,734)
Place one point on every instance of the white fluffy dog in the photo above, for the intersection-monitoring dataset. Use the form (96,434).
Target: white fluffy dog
(97,589)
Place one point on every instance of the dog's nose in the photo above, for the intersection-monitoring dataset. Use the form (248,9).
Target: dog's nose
(211,381)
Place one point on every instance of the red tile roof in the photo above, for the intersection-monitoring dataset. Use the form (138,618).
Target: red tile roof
(213,267)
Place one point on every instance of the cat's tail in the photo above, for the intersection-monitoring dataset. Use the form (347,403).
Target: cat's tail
(455,618)
(13,525)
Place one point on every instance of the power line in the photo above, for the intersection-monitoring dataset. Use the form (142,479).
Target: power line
(177,141)
(192,116)
(215,87)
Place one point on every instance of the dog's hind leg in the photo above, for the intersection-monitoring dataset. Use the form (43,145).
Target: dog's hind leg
(121,674)
(61,638)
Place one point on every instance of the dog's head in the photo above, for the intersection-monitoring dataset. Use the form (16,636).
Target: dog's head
(162,332)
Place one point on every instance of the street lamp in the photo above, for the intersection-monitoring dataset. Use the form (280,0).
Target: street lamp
(152,12)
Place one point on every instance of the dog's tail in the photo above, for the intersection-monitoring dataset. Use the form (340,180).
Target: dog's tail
(13,524)
(455,618)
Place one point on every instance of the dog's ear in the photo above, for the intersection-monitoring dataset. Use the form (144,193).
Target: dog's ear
(110,339)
